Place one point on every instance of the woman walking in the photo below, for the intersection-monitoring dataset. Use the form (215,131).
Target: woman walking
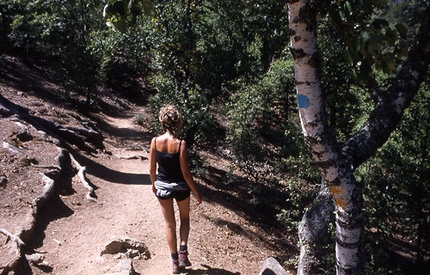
(173,181)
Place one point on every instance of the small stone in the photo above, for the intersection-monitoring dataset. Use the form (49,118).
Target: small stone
(24,136)
(35,258)
(3,180)
(272,267)
(122,245)
(124,267)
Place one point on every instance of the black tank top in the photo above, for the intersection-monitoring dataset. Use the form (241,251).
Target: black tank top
(169,167)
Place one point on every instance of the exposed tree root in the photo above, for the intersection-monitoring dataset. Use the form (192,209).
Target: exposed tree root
(84,138)
(81,174)
(24,235)
(16,245)
(140,157)
(19,240)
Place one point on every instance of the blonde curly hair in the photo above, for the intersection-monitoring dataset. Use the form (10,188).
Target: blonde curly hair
(170,119)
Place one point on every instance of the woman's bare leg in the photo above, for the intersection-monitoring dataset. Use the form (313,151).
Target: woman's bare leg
(184,214)
(169,219)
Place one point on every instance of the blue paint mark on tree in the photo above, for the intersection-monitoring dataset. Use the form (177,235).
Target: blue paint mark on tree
(303,101)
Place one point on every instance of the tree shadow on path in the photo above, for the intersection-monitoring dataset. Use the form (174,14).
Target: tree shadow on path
(108,174)
(210,271)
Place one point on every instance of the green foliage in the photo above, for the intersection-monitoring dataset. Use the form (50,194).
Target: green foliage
(369,41)
(258,111)
(57,33)
(199,50)
(399,190)
(120,14)
(265,138)
(197,120)
(300,197)
(236,40)
(138,119)
(409,13)
(263,124)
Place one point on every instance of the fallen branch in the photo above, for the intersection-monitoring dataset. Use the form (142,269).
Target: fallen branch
(48,190)
(56,167)
(90,135)
(16,240)
(17,246)
(81,174)
(134,157)
(13,149)
(5,112)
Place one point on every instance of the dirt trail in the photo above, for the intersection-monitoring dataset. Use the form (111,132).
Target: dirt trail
(229,234)
(124,207)
(75,230)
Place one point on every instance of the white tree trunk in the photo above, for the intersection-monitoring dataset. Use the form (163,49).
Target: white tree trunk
(322,143)
(338,161)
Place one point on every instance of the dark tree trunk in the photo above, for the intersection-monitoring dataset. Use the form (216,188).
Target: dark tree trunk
(314,233)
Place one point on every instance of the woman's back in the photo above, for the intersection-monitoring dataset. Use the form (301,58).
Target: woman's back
(168,158)
(167,144)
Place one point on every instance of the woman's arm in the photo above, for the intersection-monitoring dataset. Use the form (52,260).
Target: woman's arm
(152,164)
(183,159)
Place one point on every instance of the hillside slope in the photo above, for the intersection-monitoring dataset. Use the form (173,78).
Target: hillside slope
(103,190)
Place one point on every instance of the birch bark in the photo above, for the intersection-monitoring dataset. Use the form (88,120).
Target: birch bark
(338,161)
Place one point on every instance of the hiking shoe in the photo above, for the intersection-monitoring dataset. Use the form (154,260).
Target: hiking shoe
(183,259)
(175,267)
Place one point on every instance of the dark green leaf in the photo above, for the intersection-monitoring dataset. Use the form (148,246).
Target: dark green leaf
(402,30)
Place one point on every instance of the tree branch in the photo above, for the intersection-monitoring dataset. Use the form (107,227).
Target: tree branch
(390,107)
